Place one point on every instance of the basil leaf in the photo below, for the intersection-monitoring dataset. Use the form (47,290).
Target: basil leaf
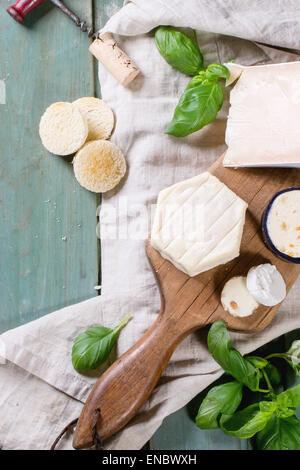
(258,362)
(288,401)
(93,347)
(291,396)
(280,434)
(217,71)
(273,374)
(197,107)
(222,350)
(196,80)
(223,398)
(249,421)
(178,50)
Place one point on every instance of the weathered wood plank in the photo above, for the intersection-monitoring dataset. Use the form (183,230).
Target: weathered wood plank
(41,203)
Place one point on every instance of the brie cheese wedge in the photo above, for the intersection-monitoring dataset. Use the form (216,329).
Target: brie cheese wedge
(198,224)
(263,122)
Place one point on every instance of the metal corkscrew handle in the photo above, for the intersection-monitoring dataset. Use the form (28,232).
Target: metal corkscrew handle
(82,24)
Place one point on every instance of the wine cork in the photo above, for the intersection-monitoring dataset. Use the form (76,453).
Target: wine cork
(107,51)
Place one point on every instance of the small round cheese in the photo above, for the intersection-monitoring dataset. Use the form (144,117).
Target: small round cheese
(236,299)
(266,284)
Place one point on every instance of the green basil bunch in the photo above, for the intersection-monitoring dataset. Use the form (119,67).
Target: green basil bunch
(272,419)
(203,97)
(93,347)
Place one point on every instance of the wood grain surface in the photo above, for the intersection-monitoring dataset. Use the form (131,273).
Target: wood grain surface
(44,60)
(188,303)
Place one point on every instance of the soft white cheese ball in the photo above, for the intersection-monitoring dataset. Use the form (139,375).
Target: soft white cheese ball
(266,284)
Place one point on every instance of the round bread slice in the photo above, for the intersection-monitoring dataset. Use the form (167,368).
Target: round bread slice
(99,116)
(99,166)
(63,129)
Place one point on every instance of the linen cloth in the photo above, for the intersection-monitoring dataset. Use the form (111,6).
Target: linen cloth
(39,390)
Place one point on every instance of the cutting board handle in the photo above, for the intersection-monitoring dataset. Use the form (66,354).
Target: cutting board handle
(125,386)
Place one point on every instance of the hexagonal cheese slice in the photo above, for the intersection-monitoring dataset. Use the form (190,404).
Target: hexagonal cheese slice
(198,224)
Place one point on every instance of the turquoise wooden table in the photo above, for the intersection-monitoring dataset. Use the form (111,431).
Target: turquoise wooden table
(47,219)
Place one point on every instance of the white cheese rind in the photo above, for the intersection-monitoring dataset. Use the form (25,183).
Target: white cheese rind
(198,224)
(235,72)
(266,284)
(263,122)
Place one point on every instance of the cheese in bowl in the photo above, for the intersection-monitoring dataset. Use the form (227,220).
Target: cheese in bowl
(281,224)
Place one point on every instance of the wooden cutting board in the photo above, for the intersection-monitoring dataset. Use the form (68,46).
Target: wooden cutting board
(187,305)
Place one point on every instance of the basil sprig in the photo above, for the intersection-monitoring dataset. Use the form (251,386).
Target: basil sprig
(93,347)
(178,50)
(229,358)
(200,102)
(269,417)
(203,97)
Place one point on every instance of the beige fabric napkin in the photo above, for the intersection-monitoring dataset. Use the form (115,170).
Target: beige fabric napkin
(39,390)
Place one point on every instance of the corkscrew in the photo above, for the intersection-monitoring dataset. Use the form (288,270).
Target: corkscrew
(104,47)
(22,7)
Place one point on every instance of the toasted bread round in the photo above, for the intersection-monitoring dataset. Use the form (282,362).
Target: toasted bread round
(99,116)
(63,128)
(99,166)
